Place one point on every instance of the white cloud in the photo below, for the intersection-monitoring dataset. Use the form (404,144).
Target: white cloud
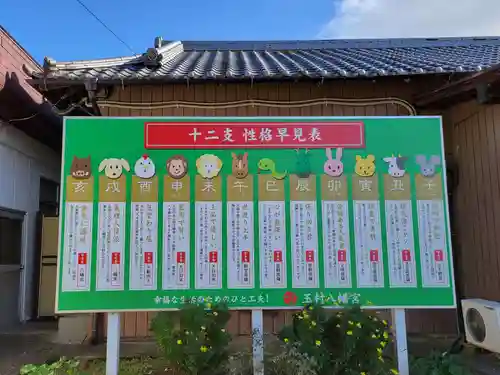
(413,18)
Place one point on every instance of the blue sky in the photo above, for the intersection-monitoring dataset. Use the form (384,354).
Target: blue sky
(63,29)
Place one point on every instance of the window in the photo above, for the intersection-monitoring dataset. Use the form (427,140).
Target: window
(49,197)
(11,235)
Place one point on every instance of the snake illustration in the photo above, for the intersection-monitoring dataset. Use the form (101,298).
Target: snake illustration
(267,164)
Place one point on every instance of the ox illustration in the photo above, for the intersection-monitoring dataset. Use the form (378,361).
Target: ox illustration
(396,165)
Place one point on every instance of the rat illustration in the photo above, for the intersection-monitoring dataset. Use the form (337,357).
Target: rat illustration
(428,167)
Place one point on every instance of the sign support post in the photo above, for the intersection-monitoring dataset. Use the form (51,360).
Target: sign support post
(399,324)
(113,344)
(258,341)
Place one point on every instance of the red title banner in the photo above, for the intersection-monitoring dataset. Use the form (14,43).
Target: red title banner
(220,135)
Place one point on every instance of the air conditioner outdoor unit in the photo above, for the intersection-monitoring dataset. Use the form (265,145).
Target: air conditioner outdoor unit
(482,323)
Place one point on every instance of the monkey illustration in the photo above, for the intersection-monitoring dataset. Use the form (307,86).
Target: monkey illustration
(177,166)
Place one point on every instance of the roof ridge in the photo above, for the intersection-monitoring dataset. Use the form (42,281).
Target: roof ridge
(152,56)
(21,48)
(50,63)
(338,43)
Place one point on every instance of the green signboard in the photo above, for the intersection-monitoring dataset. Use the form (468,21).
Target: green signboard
(259,213)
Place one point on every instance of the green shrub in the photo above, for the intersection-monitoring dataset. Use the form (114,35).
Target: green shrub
(439,364)
(345,342)
(128,366)
(61,367)
(198,343)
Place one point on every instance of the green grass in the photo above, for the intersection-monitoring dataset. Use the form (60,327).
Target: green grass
(131,366)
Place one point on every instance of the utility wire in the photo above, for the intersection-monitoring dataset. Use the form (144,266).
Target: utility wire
(53,107)
(106,26)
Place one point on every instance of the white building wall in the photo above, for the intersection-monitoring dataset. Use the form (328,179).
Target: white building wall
(23,161)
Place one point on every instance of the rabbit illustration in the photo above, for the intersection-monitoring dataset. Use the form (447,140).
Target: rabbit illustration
(334,167)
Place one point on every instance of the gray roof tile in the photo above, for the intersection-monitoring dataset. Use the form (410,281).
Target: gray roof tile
(289,59)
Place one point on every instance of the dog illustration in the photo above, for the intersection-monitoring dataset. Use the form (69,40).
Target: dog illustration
(208,165)
(113,168)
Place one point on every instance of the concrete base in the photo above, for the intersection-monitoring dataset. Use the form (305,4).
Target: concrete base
(72,329)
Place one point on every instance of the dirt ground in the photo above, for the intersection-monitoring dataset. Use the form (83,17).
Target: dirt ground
(33,343)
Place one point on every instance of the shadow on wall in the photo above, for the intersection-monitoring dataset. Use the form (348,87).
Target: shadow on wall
(18,107)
